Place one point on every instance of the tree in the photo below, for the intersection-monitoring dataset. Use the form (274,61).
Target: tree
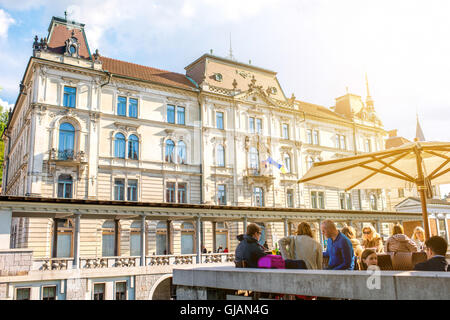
(4,115)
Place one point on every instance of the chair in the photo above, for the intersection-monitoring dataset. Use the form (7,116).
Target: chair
(241,264)
(418,257)
(384,261)
(401,260)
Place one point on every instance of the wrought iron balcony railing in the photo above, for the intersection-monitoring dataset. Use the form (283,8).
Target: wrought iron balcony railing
(67,154)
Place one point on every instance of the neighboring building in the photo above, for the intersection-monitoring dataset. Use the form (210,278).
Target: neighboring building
(90,127)
(438,214)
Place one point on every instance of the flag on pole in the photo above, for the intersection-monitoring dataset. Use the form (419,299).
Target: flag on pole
(276,164)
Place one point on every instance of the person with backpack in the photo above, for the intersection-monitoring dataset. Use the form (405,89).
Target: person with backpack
(249,251)
(436,248)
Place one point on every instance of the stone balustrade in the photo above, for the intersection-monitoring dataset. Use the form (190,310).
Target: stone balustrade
(48,264)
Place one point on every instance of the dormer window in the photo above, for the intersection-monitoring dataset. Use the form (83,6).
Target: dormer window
(218,77)
(72,47)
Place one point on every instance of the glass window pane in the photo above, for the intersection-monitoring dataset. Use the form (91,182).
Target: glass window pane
(161,243)
(220,156)
(181,152)
(221,241)
(135,244)
(170,145)
(170,192)
(122,106)
(133,147)
(252,125)
(219,120)
(171,114)
(222,195)
(182,198)
(23,294)
(99,291)
(121,290)
(187,244)
(119,189)
(48,293)
(132,108)
(119,145)
(108,245)
(69,97)
(258,126)
(63,245)
(132,190)
(180,115)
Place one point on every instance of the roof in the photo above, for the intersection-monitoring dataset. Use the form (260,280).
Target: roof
(429,201)
(395,142)
(320,111)
(59,35)
(132,70)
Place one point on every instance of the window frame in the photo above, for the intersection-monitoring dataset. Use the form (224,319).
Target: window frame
(261,194)
(167,189)
(131,187)
(290,198)
(285,131)
(220,156)
(185,192)
(123,188)
(222,194)
(170,106)
(22,288)
(123,105)
(125,293)
(69,94)
(46,287)
(133,147)
(222,118)
(104,290)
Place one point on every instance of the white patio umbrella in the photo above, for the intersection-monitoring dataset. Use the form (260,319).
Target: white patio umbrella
(416,163)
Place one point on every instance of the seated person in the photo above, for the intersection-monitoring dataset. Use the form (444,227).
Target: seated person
(339,248)
(249,250)
(368,258)
(371,239)
(399,242)
(436,248)
(302,247)
(350,233)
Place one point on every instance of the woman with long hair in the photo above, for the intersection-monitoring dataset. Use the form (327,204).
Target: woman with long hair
(371,239)
(399,242)
(368,258)
(302,247)
(350,233)
(418,237)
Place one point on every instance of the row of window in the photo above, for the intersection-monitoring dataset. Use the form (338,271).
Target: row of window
(49,292)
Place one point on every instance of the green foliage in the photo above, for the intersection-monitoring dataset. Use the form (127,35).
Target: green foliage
(3,122)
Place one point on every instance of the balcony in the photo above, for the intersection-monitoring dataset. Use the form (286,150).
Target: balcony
(259,175)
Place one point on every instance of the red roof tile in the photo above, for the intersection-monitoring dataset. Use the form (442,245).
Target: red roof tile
(60,34)
(137,71)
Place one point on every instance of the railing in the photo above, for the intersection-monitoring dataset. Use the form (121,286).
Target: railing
(48,264)
(65,154)
(217,257)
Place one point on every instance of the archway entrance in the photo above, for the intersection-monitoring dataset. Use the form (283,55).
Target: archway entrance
(163,289)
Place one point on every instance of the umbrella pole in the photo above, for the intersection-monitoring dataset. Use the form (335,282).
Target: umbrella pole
(423,202)
(421,189)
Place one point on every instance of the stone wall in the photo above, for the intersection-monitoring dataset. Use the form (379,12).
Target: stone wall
(76,289)
(15,262)
(144,284)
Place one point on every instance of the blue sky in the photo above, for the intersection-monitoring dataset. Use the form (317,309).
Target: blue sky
(317,47)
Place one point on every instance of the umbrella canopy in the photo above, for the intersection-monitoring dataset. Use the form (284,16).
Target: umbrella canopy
(416,163)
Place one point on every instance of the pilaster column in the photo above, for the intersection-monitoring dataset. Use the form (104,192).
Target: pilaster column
(286,227)
(76,242)
(143,240)
(168,238)
(214,225)
(55,238)
(198,238)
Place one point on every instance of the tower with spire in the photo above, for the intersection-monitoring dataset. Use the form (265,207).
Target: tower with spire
(369,100)
(419,133)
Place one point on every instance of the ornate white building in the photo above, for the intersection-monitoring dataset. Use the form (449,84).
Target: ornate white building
(90,127)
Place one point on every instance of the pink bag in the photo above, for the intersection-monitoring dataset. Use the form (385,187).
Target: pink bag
(271,262)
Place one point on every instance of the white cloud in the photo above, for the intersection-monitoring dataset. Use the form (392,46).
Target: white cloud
(5,105)
(5,21)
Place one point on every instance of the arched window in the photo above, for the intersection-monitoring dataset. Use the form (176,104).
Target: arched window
(287,162)
(135,238)
(170,145)
(66,141)
(220,156)
(254,158)
(187,238)
(109,239)
(133,147)
(181,152)
(119,145)
(65,186)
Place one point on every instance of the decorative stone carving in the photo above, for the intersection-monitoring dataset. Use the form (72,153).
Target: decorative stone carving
(72,46)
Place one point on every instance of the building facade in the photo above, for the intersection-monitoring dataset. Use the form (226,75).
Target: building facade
(91,127)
